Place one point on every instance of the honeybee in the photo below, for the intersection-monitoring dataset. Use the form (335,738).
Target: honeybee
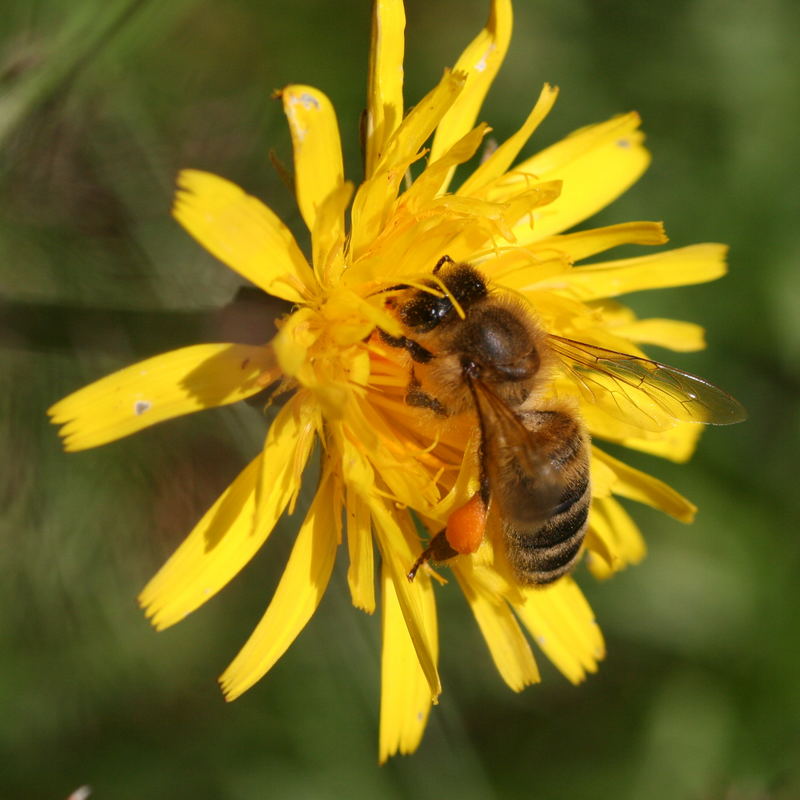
(476,350)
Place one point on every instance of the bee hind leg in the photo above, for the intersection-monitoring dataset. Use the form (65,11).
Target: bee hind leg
(462,535)
(439,549)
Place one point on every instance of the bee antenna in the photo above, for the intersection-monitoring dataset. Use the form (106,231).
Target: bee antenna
(441,262)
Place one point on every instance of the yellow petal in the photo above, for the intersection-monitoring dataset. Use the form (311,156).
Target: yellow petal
(426,186)
(599,551)
(611,523)
(421,121)
(385,90)
(672,334)
(677,444)
(405,693)
(522,205)
(242,233)
(328,236)
(317,151)
(225,539)
(595,164)
(372,205)
(287,447)
(509,649)
(165,386)
(637,485)
(563,625)
(416,604)
(583,244)
(296,335)
(376,195)
(360,574)
(298,594)
(687,265)
(502,158)
(405,479)
(683,337)
(480,61)
(603,479)
(519,267)
(218,547)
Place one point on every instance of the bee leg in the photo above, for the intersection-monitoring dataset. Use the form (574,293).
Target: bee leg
(417,352)
(463,534)
(439,549)
(419,399)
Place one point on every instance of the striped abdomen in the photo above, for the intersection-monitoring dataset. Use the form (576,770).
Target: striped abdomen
(545,511)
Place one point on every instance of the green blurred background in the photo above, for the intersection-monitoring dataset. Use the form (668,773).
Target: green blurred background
(100,104)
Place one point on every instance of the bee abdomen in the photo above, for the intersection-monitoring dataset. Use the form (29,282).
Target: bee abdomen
(544,554)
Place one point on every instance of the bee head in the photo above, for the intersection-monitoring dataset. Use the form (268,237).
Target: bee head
(425,311)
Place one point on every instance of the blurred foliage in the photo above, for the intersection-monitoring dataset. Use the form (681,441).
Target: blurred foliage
(100,104)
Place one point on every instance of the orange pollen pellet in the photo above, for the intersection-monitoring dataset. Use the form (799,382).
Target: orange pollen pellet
(466,525)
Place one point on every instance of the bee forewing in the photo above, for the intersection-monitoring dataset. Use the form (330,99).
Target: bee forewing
(642,392)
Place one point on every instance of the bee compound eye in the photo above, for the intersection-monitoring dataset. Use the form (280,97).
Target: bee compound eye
(425,312)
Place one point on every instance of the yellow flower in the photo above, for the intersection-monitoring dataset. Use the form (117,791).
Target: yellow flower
(384,465)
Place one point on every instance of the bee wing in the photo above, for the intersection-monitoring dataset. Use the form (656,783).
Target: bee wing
(644,392)
(508,440)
